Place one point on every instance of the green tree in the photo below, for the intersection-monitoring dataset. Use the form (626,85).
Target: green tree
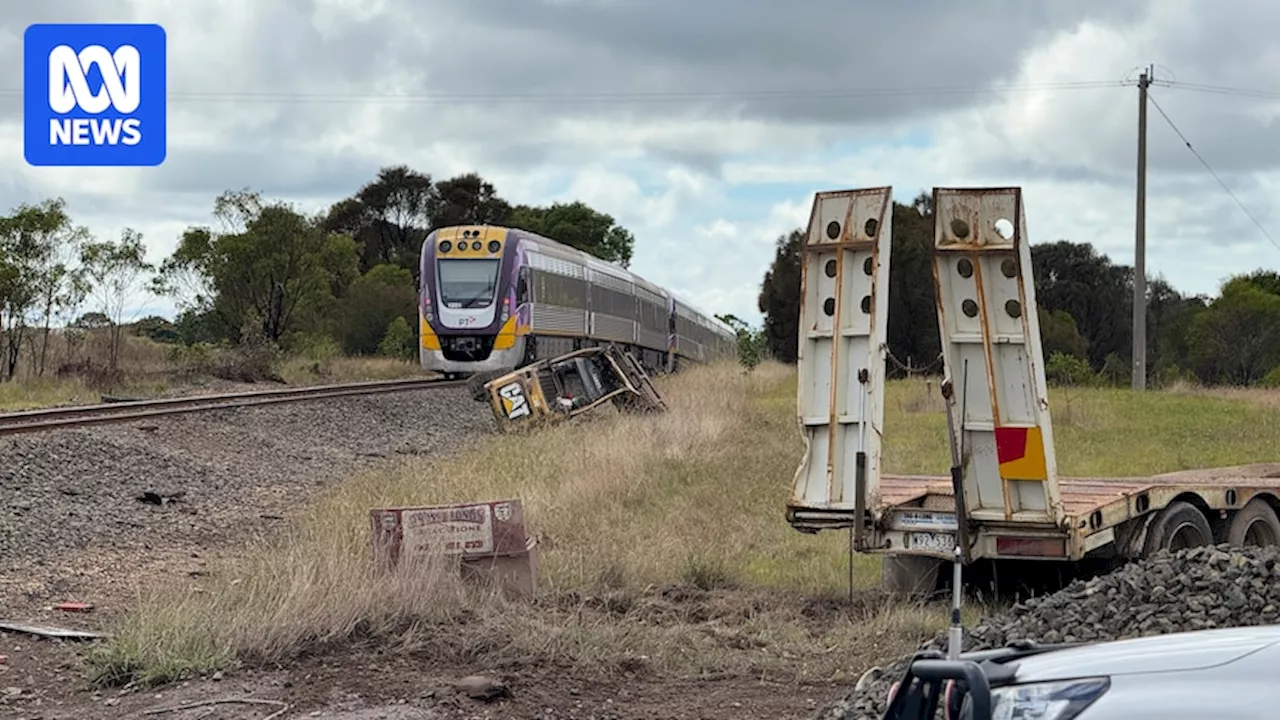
(1059,336)
(1075,278)
(751,341)
(20,253)
(272,266)
(779,299)
(116,271)
(578,225)
(389,217)
(912,332)
(1236,339)
(51,241)
(376,299)
(397,342)
(467,200)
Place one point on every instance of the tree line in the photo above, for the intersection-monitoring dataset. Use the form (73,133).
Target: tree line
(1086,310)
(266,272)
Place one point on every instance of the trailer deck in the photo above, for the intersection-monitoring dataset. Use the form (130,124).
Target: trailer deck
(918,511)
(1082,496)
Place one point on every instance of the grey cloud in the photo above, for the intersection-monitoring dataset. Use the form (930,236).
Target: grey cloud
(211,171)
(743,46)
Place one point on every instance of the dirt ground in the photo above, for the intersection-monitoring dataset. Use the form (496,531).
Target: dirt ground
(39,681)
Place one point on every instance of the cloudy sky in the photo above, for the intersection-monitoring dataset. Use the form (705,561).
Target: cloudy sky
(705,126)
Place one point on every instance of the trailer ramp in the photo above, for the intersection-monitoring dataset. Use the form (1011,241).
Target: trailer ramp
(987,317)
(840,399)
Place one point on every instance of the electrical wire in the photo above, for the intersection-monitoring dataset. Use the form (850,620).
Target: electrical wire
(625,97)
(1206,165)
(1218,89)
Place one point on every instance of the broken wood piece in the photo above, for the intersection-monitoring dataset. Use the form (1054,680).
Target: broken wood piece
(74,607)
(52,632)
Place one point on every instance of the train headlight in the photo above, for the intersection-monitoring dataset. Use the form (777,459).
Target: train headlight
(506,310)
(494,246)
(446,246)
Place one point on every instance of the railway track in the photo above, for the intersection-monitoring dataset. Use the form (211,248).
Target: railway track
(64,417)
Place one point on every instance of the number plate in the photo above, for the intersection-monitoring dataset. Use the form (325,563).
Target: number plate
(937,542)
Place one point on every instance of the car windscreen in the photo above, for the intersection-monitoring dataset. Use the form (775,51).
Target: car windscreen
(469,283)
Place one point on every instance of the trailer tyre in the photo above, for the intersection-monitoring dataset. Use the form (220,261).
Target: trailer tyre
(1256,525)
(1179,526)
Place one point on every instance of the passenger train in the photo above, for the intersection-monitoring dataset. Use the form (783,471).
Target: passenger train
(496,298)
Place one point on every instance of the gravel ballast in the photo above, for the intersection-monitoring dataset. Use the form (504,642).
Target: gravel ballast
(1196,589)
(69,506)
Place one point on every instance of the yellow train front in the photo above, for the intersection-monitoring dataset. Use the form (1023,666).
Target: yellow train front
(467,312)
(493,299)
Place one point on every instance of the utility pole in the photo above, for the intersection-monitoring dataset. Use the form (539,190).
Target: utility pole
(1140,242)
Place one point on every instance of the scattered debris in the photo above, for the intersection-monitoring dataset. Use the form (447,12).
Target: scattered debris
(479,687)
(51,632)
(73,607)
(158,497)
(224,701)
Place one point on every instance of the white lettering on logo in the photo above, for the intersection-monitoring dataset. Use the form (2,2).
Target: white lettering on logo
(517,406)
(69,88)
(69,85)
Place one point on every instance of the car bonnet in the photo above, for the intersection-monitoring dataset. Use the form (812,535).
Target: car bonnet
(1159,653)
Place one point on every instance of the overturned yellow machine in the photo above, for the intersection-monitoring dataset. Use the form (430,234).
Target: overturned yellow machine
(564,387)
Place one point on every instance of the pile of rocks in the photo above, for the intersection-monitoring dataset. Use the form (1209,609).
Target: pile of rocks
(1196,589)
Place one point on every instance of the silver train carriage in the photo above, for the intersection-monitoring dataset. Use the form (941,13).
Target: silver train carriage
(496,298)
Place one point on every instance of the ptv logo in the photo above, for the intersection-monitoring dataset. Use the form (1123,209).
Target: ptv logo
(94,95)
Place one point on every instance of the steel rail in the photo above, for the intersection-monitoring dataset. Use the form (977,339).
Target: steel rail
(63,417)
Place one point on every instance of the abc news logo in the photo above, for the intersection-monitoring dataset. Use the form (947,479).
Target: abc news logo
(69,89)
(93,94)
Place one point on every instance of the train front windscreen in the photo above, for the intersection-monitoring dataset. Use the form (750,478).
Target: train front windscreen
(466,284)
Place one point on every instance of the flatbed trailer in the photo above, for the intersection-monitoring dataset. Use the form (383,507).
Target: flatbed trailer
(1003,499)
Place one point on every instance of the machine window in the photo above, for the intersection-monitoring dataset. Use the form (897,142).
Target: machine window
(467,283)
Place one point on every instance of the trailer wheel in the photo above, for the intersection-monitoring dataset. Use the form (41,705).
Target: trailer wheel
(909,574)
(1256,525)
(1179,526)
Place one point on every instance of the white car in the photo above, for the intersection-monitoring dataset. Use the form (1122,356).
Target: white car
(1223,674)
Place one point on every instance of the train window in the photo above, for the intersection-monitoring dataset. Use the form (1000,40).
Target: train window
(522,286)
(470,283)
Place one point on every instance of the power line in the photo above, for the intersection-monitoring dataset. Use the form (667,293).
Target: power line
(1219,89)
(1203,162)
(629,97)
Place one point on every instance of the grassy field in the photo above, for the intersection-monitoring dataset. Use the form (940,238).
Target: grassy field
(663,539)
(152,369)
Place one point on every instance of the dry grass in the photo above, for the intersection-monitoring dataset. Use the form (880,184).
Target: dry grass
(340,369)
(148,368)
(1268,398)
(664,539)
